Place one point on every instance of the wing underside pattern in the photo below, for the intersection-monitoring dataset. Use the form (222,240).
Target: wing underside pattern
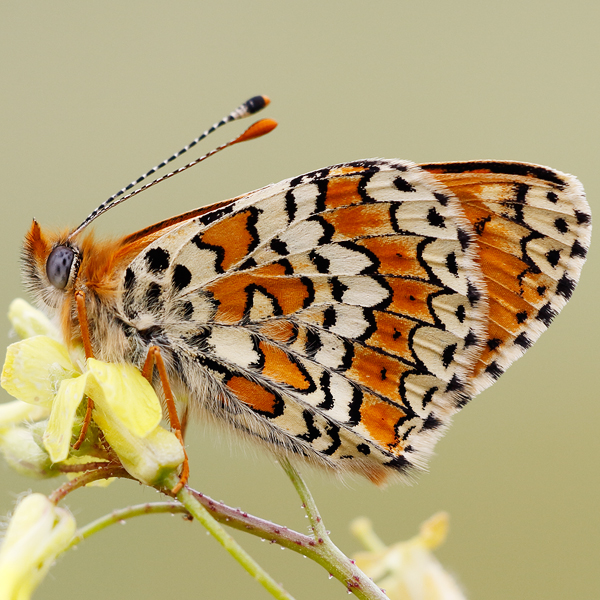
(346,314)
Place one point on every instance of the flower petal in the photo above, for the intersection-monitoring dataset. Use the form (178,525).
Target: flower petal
(149,459)
(28,321)
(23,454)
(122,391)
(34,369)
(57,437)
(18,411)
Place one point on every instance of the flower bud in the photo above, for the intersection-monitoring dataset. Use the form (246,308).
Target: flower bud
(37,533)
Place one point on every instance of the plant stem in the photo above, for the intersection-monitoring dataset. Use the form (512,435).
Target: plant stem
(103,472)
(118,516)
(241,556)
(274,533)
(331,557)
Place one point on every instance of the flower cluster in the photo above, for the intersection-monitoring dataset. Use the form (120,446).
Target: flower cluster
(408,570)
(38,429)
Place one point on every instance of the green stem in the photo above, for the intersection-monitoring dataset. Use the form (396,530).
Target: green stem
(308,502)
(331,557)
(118,516)
(198,511)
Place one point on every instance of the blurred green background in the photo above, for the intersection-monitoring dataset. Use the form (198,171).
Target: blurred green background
(95,93)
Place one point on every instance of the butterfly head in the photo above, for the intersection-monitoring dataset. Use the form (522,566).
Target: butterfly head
(50,265)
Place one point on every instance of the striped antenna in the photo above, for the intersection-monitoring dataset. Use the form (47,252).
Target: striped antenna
(250,107)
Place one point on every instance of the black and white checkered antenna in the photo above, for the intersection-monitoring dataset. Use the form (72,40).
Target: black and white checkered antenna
(250,107)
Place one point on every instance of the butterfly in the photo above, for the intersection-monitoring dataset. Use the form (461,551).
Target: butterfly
(341,316)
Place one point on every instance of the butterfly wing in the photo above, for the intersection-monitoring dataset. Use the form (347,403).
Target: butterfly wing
(533,229)
(341,315)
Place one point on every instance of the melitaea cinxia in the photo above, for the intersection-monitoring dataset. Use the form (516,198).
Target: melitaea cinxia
(343,315)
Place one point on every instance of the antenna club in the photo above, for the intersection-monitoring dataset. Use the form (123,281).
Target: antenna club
(256,103)
(257,130)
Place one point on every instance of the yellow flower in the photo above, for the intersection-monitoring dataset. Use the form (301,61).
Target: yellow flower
(39,372)
(408,570)
(28,321)
(37,533)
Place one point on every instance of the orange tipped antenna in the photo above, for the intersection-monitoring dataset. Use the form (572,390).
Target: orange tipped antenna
(258,129)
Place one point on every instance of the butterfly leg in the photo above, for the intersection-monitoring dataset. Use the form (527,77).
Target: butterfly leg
(87,348)
(153,358)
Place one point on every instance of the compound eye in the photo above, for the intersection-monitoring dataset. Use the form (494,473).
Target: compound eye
(58,266)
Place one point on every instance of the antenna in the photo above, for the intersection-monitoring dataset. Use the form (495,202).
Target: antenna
(258,129)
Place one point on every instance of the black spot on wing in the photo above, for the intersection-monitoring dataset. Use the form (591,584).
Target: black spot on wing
(451,264)
(455,384)
(279,246)
(582,218)
(185,310)
(441,198)
(578,250)
(448,354)
(363,449)
(403,186)
(313,342)
(565,286)
(157,260)
(249,263)
(463,238)
(329,317)
(481,223)
(428,396)
(493,343)
(354,416)
(338,289)
(435,219)
(561,225)
(473,294)
(553,256)
(523,341)
(400,463)
(494,370)
(431,422)
(181,277)
(471,339)
(290,204)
